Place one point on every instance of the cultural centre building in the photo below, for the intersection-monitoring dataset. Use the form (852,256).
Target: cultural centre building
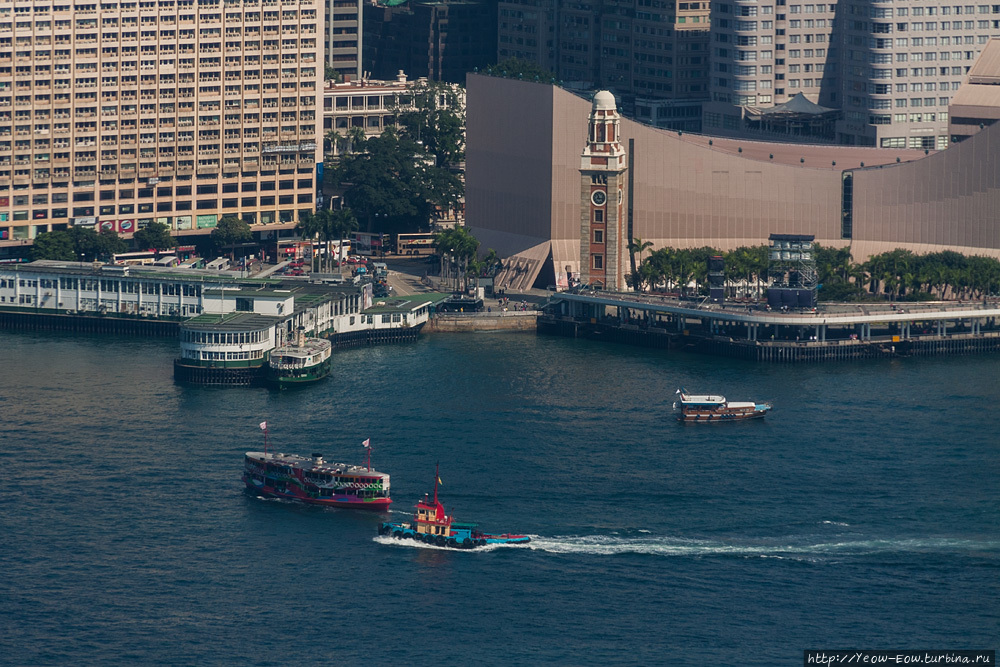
(531,179)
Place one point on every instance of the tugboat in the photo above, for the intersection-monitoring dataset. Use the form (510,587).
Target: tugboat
(315,481)
(303,361)
(708,408)
(432,526)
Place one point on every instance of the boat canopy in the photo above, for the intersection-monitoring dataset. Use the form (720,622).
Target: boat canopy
(702,399)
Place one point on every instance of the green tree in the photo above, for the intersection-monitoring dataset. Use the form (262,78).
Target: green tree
(56,245)
(435,119)
(230,232)
(349,142)
(460,245)
(318,226)
(156,236)
(331,74)
(109,244)
(93,245)
(516,68)
(395,183)
(637,246)
(344,224)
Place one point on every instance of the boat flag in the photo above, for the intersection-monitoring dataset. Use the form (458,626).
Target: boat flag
(263,426)
(440,482)
(367,442)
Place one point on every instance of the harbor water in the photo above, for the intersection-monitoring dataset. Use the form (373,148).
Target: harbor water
(862,513)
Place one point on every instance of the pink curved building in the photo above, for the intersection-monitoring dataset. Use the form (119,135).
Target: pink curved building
(524,196)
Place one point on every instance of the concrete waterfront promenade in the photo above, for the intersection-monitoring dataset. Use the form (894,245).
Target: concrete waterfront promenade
(837,331)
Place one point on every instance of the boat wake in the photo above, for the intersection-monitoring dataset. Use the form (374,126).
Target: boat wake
(787,548)
(413,544)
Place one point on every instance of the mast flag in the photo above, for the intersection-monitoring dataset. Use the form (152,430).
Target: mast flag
(367,442)
(263,426)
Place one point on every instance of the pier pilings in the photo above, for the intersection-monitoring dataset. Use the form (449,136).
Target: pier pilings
(102,324)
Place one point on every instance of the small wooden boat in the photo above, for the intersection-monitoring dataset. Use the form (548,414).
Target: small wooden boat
(710,408)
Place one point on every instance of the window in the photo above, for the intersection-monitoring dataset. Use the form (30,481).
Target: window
(598,261)
(598,236)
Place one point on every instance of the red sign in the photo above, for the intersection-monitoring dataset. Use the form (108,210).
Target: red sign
(126,226)
(108,225)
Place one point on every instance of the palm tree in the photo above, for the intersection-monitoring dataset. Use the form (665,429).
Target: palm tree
(637,245)
(458,245)
(317,225)
(344,222)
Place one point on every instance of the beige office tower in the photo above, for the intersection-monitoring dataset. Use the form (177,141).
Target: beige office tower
(117,114)
(884,71)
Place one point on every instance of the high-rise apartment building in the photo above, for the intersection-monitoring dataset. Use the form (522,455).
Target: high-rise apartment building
(120,113)
(653,54)
(890,68)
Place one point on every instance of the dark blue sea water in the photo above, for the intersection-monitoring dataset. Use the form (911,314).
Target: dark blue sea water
(862,513)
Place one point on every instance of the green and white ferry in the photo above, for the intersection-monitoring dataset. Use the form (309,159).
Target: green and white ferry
(300,362)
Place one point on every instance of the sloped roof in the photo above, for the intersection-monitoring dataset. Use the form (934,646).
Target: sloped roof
(798,104)
(986,69)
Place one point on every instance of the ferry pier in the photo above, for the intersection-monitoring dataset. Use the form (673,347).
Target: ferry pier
(750,331)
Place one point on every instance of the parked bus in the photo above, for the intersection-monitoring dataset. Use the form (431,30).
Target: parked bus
(137,257)
(371,244)
(218,264)
(415,244)
(167,260)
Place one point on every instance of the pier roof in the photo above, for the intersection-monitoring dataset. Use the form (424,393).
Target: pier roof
(832,314)
(403,304)
(231,322)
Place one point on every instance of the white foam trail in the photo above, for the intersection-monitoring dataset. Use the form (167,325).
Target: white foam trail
(667,546)
(836,523)
(392,541)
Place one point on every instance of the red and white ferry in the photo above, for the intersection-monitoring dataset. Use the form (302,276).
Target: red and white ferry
(315,481)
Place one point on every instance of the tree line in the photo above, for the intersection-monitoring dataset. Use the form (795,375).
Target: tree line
(78,244)
(897,275)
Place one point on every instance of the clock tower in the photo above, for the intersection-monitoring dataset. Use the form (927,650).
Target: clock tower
(603,232)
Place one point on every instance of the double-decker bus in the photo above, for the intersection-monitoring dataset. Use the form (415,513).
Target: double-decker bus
(136,257)
(415,244)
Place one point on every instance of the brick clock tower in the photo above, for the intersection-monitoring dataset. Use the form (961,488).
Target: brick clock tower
(603,232)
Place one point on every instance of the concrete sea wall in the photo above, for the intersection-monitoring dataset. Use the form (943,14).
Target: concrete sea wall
(525,321)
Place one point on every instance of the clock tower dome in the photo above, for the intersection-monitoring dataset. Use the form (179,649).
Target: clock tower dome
(603,233)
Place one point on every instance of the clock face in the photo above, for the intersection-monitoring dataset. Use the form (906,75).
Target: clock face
(621,196)
(599,197)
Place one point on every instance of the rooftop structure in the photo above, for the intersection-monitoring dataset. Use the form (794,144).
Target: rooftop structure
(977,103)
